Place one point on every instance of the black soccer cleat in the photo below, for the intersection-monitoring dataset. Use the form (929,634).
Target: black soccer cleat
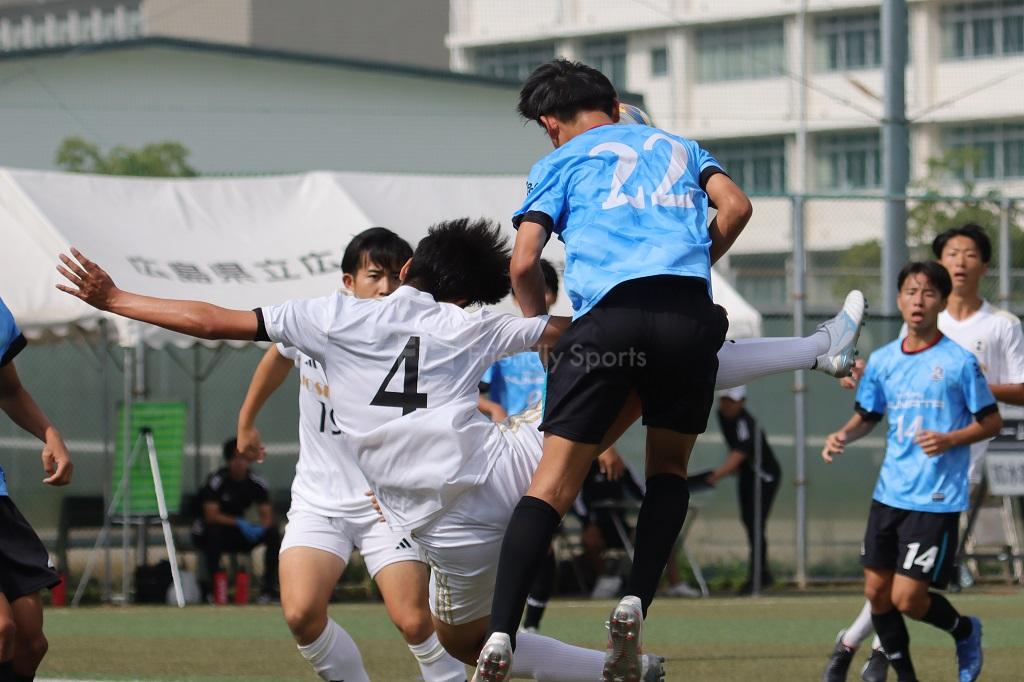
(877,667)
(839,662)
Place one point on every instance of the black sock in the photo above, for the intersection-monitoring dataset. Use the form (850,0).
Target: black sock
(942,615)
(540,592)
(7,671)
(892,630)
(657,528)
(22,678)
(527,539)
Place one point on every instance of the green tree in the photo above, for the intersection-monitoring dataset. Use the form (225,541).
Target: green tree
(158,160)
(932,212)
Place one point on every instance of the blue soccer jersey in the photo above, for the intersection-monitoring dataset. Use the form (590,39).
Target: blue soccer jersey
(516,382)
(11,343)
(940,388)
(628,201)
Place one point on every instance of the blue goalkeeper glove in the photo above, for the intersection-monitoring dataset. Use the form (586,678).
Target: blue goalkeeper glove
(252,532)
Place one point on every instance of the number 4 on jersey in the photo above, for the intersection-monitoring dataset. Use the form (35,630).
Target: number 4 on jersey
(409,399)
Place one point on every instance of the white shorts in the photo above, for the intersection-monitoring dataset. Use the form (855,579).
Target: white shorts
(377,544)
(462,546)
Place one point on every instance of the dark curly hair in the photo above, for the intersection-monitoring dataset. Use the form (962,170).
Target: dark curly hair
(462,260)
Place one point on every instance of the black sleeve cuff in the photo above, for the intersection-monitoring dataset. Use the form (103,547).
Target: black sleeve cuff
(986,411)
(867,415)
(483,387)
(261,327)
(706,174)
(16,347)
(539,217)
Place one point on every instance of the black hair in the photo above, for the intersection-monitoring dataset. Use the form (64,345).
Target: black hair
(462,260)
(376,245)
(936,274)
(550,276)
(972,231)
(562,89)
(230,449)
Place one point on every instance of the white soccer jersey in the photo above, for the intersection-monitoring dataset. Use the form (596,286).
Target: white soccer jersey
(404,374)
(327,480)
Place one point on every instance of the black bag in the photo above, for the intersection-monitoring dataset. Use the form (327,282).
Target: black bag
(151,583)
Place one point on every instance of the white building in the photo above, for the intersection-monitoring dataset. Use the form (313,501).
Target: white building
(730,75)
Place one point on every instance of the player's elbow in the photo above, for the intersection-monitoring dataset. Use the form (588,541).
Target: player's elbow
(521,266)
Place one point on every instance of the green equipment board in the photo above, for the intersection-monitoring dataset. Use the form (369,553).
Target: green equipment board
(167,422)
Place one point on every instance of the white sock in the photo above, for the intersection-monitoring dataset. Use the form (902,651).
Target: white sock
(876,643)
(744,360)
(860,628)
(436,664)
(334,655)
(548,660)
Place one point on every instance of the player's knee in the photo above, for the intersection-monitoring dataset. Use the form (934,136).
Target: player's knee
(877,594)
(910,603)
(306,622)
(8,631)
(415,626)
(34,650)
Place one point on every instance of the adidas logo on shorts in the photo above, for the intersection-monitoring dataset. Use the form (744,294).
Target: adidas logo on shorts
(404,544)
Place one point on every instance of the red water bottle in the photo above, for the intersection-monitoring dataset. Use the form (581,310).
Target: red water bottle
(220,587)
(241,587)
(59,593)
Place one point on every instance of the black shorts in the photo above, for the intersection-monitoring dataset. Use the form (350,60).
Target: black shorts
(657,335)
(919,545)
(24,562)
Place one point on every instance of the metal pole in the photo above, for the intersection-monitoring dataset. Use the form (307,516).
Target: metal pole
(126,463)
(161,502)
(197,427)
(757,565)
(1005,257)
(895,147)
(800,426)
(108,459)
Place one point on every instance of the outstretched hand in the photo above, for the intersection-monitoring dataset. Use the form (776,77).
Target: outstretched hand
(90,282)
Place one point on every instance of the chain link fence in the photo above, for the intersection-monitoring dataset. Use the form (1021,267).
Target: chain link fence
(79,384)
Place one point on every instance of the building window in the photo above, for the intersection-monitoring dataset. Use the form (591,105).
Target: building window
(608,55)
(849,41)
(983,29)
(659,61)
(758,165)
(999,148)
(736,52)
(513,62)
(849,161)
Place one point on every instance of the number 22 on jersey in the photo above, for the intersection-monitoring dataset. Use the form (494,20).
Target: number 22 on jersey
(628,158)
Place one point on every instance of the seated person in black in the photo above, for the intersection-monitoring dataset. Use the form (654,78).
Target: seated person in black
(603,499)
(739,428)
(221,525)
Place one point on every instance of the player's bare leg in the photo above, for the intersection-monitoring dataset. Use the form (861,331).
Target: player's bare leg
(403,585)
(30,643)
(7,635)
(307,578)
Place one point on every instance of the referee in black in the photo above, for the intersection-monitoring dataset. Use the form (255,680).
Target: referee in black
(739,428)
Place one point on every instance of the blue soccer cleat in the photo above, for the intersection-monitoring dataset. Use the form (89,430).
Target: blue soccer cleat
(969,654)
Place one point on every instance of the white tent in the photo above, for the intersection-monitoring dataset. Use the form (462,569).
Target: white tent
(238,242)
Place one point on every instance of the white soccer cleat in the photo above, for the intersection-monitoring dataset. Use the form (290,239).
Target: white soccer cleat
(623,661)
(495,662)
(843,331)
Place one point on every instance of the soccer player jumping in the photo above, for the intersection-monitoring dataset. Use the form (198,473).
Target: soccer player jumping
(937,403)
(630,202)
